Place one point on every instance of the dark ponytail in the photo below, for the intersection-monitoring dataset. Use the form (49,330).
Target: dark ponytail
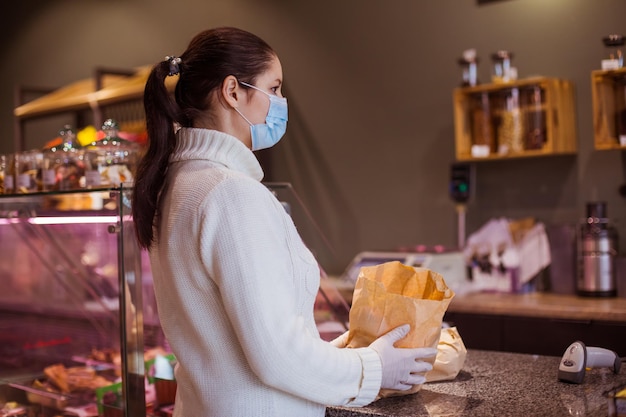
(161,114)
(211,56)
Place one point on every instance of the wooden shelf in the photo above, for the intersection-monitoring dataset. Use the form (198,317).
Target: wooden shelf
(111,93)
(84,95)
(542,110)
(608,88)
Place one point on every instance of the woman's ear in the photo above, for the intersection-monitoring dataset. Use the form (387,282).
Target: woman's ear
(230,92)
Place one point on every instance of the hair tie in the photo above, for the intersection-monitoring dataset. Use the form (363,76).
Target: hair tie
(174,67)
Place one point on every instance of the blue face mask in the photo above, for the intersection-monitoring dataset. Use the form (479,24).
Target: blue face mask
(269,133)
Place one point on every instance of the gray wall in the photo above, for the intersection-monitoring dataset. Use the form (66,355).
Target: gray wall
(369,83)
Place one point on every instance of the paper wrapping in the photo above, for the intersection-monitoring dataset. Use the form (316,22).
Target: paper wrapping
(392,294)
(451,354)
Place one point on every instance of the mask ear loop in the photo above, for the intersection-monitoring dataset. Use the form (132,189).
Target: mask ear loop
(236,109)
(241,114)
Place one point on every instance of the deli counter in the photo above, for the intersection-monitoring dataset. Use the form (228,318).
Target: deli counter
(77,310)
(76,316)
(79,330)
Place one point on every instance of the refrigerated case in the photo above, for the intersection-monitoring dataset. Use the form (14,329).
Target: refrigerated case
(73,288)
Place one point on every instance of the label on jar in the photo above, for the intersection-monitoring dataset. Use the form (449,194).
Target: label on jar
(93,178)
(8,183)
(610,64)
(480,151)
(48,177)
(25,182)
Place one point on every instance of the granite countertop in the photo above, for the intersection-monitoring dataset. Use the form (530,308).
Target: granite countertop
(539,304)
(503,385)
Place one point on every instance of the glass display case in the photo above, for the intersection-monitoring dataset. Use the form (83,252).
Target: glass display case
(331,306)
(79,330)
(76,311)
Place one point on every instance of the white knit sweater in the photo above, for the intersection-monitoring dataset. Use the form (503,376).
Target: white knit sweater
(235,288)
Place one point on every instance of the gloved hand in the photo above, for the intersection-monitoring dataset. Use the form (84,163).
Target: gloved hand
(402,367)
(340,341)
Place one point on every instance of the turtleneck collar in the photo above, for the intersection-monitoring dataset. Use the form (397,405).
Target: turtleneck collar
(218,147)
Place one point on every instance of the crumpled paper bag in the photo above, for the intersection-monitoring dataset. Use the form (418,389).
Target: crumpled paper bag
(392,294)
(451,354)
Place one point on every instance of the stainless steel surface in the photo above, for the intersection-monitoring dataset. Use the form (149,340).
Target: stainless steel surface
(597,269)
(597,250)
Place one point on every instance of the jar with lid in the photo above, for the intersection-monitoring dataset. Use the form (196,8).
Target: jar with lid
(510,131)
(620,113)
(615,59)
(469,67)
(483,136)
(503,71)
(111,161)
(7,184)
(63,166)
(535,117)
(28,171)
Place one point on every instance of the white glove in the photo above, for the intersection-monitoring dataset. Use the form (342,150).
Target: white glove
(340,341)
(402,367)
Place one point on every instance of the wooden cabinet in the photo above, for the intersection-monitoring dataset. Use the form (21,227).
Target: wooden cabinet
(538,323)
(608,89)
(524,118)
(534,335)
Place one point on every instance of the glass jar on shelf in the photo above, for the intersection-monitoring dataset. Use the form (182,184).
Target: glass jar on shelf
(615,59)
(7,183)
(28,171)
(111,161)
(503,71)
(483,135)
(469,67)
(63,166)
(535,117)
(510,132)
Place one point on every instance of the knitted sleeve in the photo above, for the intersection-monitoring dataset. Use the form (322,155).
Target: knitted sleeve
(259,262)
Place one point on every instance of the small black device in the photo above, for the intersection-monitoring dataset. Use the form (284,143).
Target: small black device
(460,182)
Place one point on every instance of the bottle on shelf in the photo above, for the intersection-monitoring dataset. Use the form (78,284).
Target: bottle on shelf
(63,166)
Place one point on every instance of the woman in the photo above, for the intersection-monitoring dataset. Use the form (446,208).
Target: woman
(234,283)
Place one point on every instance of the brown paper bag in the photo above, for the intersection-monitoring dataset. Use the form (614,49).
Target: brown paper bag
(451,353)
(392,294)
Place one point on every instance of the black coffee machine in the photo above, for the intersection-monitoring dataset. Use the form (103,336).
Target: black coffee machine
(597,250)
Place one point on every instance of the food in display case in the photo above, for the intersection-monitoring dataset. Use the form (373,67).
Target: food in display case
(90,387)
